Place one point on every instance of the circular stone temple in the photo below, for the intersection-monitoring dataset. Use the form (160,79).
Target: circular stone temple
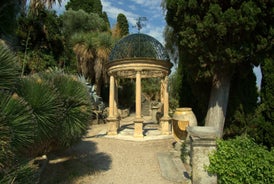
(138,56)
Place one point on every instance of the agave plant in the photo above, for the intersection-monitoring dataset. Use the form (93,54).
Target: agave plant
(9,70)
(47,108)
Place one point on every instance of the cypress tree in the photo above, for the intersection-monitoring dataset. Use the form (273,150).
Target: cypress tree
(215,38)
(122,24)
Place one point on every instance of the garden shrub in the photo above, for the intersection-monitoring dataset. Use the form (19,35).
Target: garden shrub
(241,160)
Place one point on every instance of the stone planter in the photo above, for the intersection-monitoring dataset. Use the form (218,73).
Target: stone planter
(182,118)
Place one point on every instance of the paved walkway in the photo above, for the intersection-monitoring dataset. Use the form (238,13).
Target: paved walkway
(121,159)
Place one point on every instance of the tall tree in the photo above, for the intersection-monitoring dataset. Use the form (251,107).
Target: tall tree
(215,37)
(122,24)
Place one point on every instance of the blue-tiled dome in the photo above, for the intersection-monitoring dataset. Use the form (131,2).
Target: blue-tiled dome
(138,46)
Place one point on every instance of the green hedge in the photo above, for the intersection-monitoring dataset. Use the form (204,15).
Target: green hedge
(242,161)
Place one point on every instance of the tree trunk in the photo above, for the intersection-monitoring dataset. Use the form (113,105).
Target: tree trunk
(218,101)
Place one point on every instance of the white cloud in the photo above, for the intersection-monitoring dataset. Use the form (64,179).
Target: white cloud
(155,4)
(132,7)
(113,11)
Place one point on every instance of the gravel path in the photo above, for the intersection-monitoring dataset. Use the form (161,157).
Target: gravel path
(101,160)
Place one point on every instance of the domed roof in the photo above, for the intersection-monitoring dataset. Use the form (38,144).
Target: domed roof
(138,46)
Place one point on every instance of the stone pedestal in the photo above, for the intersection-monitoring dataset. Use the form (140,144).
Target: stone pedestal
(138,128)
(202,142)
(113,125)
(165,126)
(154,111)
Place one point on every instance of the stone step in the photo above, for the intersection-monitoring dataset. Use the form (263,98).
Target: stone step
(172,168)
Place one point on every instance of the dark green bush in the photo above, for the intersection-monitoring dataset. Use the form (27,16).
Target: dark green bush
(241,160)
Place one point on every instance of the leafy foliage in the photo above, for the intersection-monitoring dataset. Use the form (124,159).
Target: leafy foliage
(267,92)
(40,40)
(241,160)
(151,88)
(262,125)
(242,104)
(89,6)
(81,21)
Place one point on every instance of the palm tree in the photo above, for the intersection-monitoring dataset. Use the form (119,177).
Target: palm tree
(92,51)
(37,4)
(84,49)
(104,44)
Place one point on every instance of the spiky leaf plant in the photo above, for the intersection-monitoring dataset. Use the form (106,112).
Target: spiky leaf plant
(16,127)
(9,70)
(78,108)
(47,109)
(77,104)
(20,173)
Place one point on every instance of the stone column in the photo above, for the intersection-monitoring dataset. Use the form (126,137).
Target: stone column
(115,109)
(112,120)
(165,120)
(111,96)
(138,122)
(162,91)
(202,142)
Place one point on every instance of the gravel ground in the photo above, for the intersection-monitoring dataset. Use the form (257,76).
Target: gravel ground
(101,160)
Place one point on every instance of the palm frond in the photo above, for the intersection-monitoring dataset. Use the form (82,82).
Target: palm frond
(77,105)
(16,125)
(45,103)
(9,69)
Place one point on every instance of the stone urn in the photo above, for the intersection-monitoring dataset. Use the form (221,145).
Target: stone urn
(181,119)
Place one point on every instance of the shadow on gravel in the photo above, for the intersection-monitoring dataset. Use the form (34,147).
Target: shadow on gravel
(78,161)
